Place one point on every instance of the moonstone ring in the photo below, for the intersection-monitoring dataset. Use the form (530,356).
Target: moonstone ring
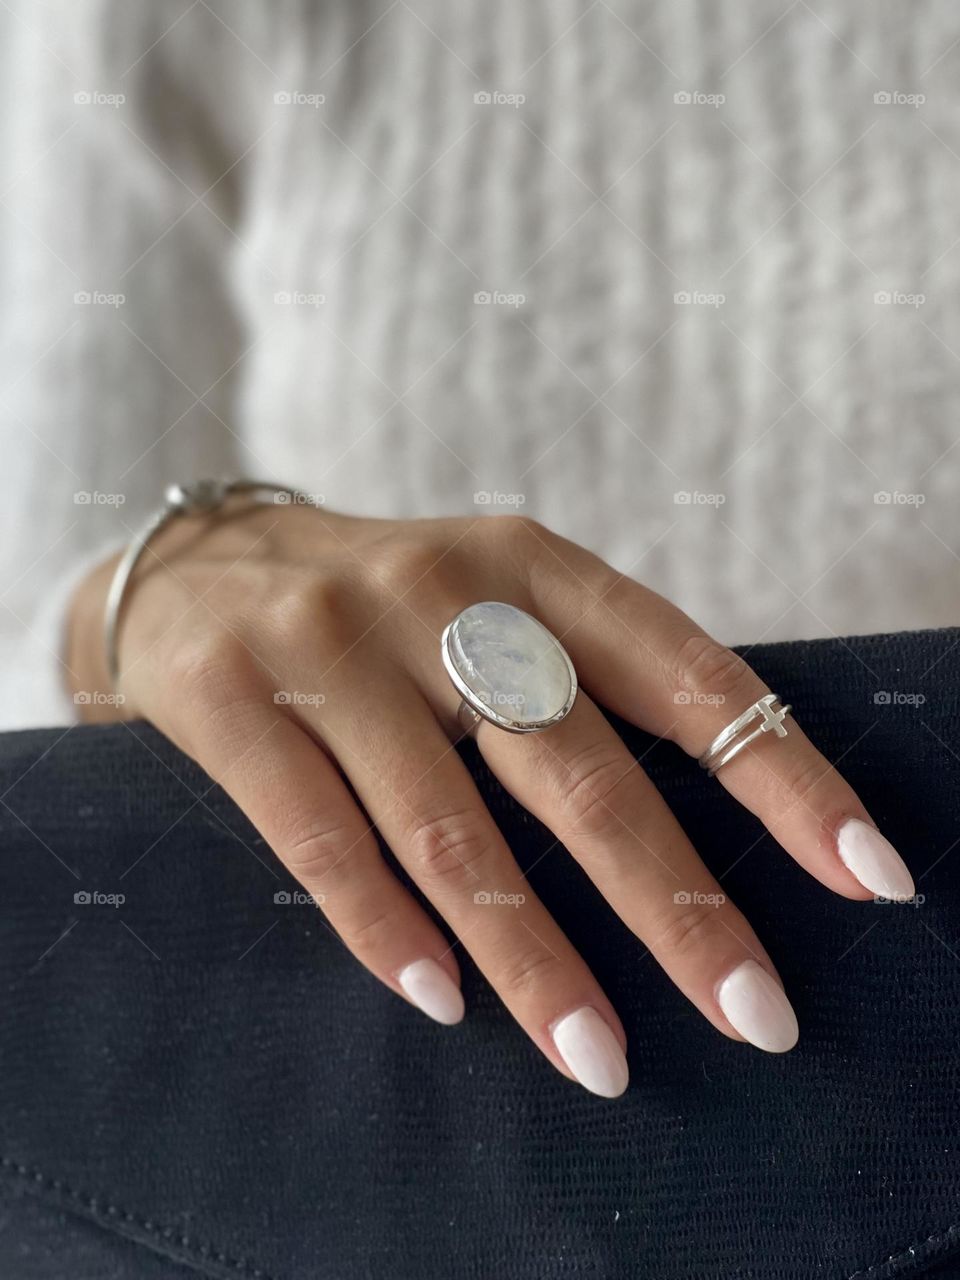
(508,669)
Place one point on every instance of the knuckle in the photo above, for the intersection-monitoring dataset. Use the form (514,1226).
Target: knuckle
(315,849)
(425,556)
(451,847)
(206,664)
(590,789)
(526,971)
(319,603)
(704,666)
(686,929)
(516,538)
(370,931)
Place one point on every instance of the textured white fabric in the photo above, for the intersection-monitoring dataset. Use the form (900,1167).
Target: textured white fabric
(200,198)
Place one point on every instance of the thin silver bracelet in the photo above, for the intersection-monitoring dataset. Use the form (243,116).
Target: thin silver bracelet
(204,497)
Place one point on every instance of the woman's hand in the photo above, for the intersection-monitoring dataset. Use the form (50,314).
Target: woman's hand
(287,648)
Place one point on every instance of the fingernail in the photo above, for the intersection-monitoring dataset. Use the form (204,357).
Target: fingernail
(592,1052)
(754,1004)
(873,860)
(433,991)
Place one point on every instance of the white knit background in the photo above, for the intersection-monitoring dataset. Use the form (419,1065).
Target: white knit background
(799,198)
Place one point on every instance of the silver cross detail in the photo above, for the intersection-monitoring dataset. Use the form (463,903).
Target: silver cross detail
(772,719)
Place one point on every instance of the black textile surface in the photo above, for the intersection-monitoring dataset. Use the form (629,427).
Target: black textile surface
(201,1080)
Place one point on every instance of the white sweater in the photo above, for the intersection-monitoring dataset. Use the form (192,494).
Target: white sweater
(782,398)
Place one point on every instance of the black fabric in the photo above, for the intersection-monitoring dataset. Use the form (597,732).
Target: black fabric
(203,1079)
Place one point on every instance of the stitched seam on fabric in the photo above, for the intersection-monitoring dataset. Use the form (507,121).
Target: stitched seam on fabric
(109,1215)
(909,1253)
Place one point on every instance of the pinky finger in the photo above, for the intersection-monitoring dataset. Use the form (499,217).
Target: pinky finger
(295,797)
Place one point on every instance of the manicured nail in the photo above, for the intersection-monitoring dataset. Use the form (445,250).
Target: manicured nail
(754,1004)
(433,991)
(592,1052)
(873,860)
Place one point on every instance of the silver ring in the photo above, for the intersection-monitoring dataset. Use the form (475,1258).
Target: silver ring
(508,669)
(729,743)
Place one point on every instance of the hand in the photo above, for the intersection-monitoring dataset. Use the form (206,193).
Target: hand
(288,649)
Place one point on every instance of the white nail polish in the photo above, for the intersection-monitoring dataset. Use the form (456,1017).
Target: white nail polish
(873,860)
(433,991)
(754,1004)
(592,1052)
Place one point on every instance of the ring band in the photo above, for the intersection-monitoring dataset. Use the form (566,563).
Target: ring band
(729,743)
(508,669)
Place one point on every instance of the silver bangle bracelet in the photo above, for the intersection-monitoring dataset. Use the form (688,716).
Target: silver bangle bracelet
(204,497)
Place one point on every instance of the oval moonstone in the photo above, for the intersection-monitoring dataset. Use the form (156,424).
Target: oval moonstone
(509,662)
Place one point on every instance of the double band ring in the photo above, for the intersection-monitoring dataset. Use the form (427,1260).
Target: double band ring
(508,669)
(735,736)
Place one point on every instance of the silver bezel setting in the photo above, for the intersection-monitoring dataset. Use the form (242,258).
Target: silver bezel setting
(483,709)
